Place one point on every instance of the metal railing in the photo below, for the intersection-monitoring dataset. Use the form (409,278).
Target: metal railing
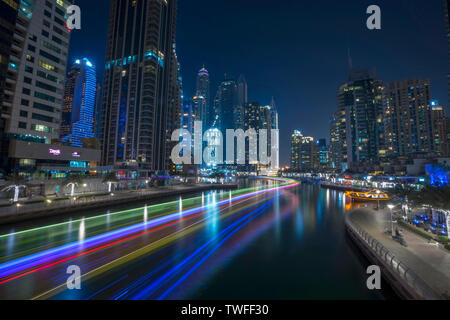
(398,267)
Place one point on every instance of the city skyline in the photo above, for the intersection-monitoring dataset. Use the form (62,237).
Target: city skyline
(140,155)
(314,57)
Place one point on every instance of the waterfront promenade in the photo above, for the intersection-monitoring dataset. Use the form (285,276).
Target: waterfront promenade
(425,260)
(53,206)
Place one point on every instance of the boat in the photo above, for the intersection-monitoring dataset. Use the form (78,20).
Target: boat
(373,195)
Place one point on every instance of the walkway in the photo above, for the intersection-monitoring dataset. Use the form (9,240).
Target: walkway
(429,262)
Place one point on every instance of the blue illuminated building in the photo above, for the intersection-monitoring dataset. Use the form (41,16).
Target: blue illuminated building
(79,103)
(141,90)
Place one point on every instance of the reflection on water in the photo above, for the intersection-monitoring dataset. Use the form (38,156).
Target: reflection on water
(297,249)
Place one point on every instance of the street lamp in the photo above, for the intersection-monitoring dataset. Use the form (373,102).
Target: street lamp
(378,199)
(390,206)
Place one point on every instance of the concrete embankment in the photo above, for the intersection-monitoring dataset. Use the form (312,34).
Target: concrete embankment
(414,271)
(41,210)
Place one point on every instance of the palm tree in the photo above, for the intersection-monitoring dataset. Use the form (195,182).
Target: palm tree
(15,182)
(110,179)
(73,181)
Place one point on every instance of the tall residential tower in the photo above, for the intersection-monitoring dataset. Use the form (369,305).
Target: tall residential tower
(202,101)
(360,101)
(141,90)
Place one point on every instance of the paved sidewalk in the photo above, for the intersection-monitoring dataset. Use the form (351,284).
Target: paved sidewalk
(428,261)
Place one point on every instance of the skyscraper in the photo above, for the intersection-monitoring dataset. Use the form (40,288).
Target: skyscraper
(8,15)
(259,117)
(274,114)
(200,111)
(296,147)
(447,22)
(78,116)
(202,99)
(438,125)
(225,104)
(360,98)
(338,141)
(187,123)
(304,153)
(141,88)
(408,117)
(32,100)
(324,153)
(242,99)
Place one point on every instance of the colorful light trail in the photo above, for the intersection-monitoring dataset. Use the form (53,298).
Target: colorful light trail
(133,235)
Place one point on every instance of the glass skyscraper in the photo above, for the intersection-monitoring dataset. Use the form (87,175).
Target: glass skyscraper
(141,90)
(225,104)
(202,101)
(79,103)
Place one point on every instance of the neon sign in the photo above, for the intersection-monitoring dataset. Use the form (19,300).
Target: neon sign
(55,152)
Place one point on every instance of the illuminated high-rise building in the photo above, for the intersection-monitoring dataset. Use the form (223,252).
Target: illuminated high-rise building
(242,99)
(438,125)
(200,111)
(141,88)
(338,141)
(447,22)
(32,100)
(225,104)
(407,117)
(8,15)
(78,116)
(259,117)
(360,101)
(324,153)
(295,154)
(201,100)
(304,153)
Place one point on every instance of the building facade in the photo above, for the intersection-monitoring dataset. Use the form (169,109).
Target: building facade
(439,130)
(202,99)
(242,100)
(360,99)
(447,22)
(225,104)
(324,154)
(304,153)
(31,106)
(8,16)
(407,117)
(141,90)
(338,141)
(78,111)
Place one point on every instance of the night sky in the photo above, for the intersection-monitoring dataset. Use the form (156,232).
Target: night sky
(294,50)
